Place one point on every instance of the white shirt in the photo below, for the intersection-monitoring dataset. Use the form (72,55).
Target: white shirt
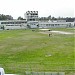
(2,71)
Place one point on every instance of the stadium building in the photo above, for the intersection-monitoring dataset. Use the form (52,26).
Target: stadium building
(13,24)
(32,21)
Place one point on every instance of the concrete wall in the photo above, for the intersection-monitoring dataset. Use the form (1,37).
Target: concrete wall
(13,24)
(45,73)
(15,27)
(56,24)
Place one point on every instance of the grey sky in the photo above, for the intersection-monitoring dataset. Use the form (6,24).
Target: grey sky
(56,8)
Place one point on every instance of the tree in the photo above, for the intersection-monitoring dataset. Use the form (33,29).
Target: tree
(2,27)
(53,18)
(69,19)
(5,17)
(20,18)
(49,17)
(28,26)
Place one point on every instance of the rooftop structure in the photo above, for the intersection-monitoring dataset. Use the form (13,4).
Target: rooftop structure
(31,15)
(32,18)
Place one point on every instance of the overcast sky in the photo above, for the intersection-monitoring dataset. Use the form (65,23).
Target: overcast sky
(56,8)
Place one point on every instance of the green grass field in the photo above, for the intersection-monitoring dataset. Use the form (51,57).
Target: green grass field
(25,50)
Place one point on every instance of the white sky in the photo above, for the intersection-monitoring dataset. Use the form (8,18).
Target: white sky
(56,8)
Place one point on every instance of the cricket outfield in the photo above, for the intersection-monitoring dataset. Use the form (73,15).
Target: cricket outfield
(27,50)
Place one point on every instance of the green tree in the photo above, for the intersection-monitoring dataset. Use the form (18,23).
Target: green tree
(20,18)
(49,17)
(5,17)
